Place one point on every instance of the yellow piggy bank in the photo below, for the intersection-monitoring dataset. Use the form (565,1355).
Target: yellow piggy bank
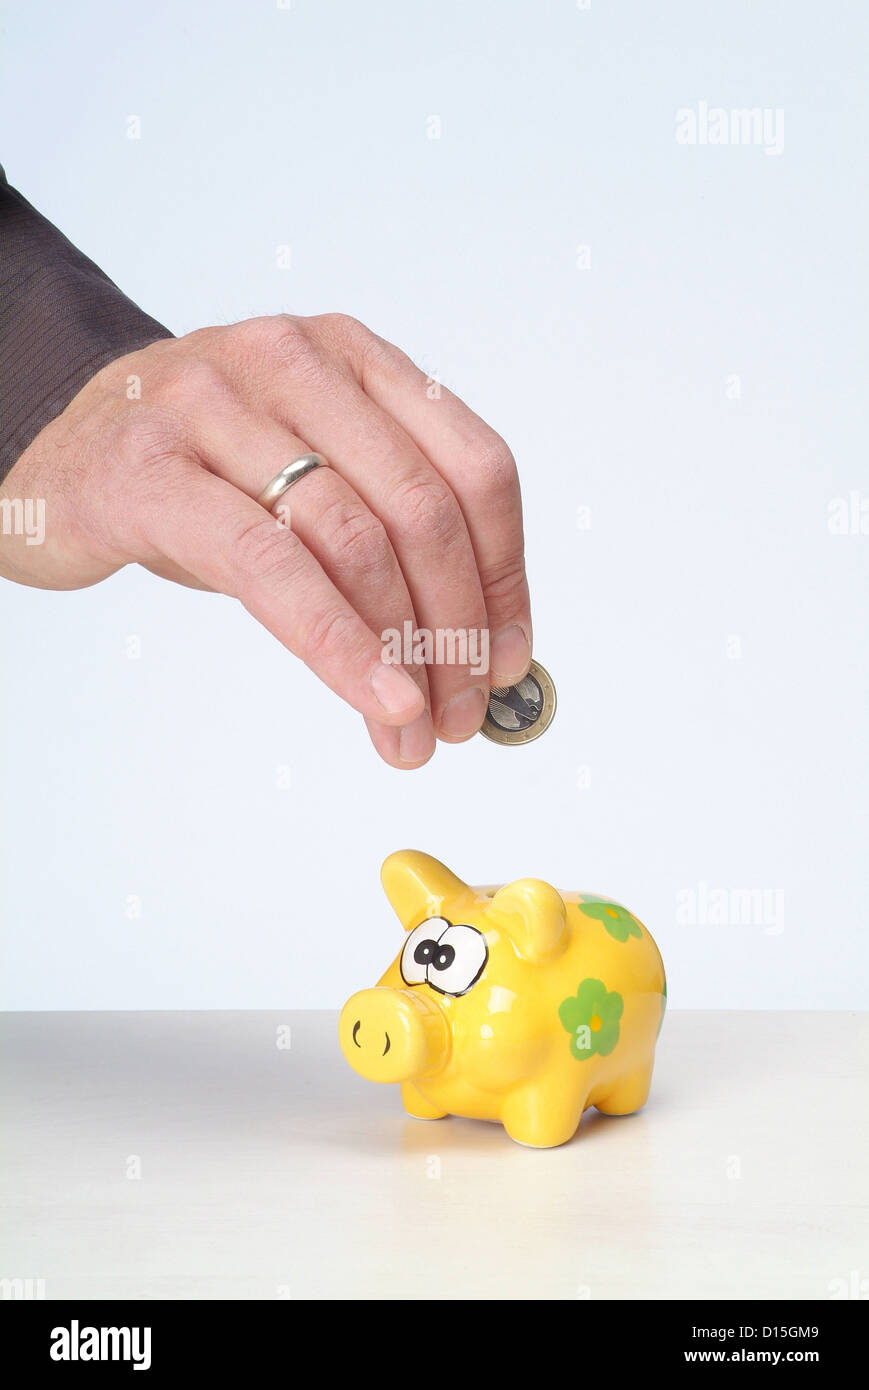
(517,1004)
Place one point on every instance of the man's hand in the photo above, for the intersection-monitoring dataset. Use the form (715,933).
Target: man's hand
(158,460)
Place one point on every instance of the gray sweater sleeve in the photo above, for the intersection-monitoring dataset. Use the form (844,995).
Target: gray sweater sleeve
(61,320)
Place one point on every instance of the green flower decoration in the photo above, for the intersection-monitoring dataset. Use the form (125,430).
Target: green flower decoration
(618,921)
(591,1016)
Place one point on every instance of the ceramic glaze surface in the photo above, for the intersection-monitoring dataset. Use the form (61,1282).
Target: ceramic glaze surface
(518,1004)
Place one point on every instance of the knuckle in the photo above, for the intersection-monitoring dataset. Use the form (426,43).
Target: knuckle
(428,509)
(330,635)
(284,331)
(378,355)
(265,330)
(261,550)
(191,381)
(275,337)
(360,541)
(363,350)
(505,584)
(355,342)
(288,344)
(342,327)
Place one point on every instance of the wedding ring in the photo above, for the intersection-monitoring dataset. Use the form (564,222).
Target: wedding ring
(288,476)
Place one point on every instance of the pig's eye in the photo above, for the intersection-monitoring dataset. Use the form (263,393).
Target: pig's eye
(449,959)
(420,950)
(458,961)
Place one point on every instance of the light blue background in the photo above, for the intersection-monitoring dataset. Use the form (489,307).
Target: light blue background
(160,778)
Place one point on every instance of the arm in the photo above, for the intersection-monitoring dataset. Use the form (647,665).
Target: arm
(61,320)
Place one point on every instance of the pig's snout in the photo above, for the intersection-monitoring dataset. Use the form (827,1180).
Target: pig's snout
(393,1034)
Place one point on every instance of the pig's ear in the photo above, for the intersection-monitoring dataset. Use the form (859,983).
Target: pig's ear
(419,886)
(533,916)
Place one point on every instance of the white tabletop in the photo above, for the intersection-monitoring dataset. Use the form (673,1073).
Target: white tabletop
(268,1172)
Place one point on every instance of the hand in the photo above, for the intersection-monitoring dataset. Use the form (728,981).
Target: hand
(158,460)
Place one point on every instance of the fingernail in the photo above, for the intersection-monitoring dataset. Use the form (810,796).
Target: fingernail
(510,655)
(395,690)
(417,741)
(464,713)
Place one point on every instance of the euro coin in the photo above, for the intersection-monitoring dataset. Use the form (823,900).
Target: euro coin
(522,712)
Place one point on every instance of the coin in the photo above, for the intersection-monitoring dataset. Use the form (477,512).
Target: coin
(522,712)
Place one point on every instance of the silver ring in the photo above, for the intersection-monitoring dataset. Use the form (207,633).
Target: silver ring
(287,476)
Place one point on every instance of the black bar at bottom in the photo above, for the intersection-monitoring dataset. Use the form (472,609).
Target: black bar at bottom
(157,1338)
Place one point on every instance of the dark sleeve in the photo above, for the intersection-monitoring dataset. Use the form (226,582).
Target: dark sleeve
(61,320)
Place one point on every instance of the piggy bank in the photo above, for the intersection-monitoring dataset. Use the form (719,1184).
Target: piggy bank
(517,1004)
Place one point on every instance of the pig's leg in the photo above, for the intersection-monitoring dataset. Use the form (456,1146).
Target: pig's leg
(416,1104)
(628,1094)
(541,1115)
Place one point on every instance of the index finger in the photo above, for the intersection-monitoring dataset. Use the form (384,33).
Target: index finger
(479,468)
